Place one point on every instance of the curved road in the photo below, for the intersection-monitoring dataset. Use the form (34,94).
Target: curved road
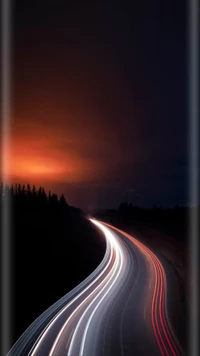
(119,310)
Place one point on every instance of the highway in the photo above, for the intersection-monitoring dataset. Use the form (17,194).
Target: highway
(119,310)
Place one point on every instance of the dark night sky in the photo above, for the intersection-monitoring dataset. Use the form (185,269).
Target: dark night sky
(100,100)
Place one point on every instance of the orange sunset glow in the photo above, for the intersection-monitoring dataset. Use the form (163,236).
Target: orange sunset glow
(52,154)
(90,115)
(41,158)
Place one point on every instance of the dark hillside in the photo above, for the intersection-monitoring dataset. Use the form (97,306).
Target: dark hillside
(54,247)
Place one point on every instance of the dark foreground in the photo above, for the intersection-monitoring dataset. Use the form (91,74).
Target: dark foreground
(53,248)
(121,309)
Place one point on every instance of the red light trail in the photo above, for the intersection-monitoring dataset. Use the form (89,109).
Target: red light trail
(160,323)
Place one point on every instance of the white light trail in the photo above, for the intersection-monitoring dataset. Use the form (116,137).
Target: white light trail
(91,316)
(114,246)
(58,338)
(38,342)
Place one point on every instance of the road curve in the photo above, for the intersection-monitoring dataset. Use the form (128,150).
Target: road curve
(119,310)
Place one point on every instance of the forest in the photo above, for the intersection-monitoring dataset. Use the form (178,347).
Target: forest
(173,221)
(53,248)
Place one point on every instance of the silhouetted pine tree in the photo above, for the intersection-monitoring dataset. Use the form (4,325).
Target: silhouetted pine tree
(62,201)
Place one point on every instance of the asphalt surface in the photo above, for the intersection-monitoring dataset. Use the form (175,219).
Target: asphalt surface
(119,310)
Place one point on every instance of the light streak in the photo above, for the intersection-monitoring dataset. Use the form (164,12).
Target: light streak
(164,334)
(114,246)
(84,312)
(91,316)
(40,339)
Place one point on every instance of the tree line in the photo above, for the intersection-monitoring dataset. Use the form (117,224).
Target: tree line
(53,247)
(176,216)
(26,192)
(28,197)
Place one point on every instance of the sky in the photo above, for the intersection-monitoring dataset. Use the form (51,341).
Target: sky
(99,100)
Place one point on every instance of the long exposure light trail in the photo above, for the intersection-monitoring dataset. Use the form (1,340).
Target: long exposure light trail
(50,325)
(92,314)
(104,315)
(107,279)
(163,332)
